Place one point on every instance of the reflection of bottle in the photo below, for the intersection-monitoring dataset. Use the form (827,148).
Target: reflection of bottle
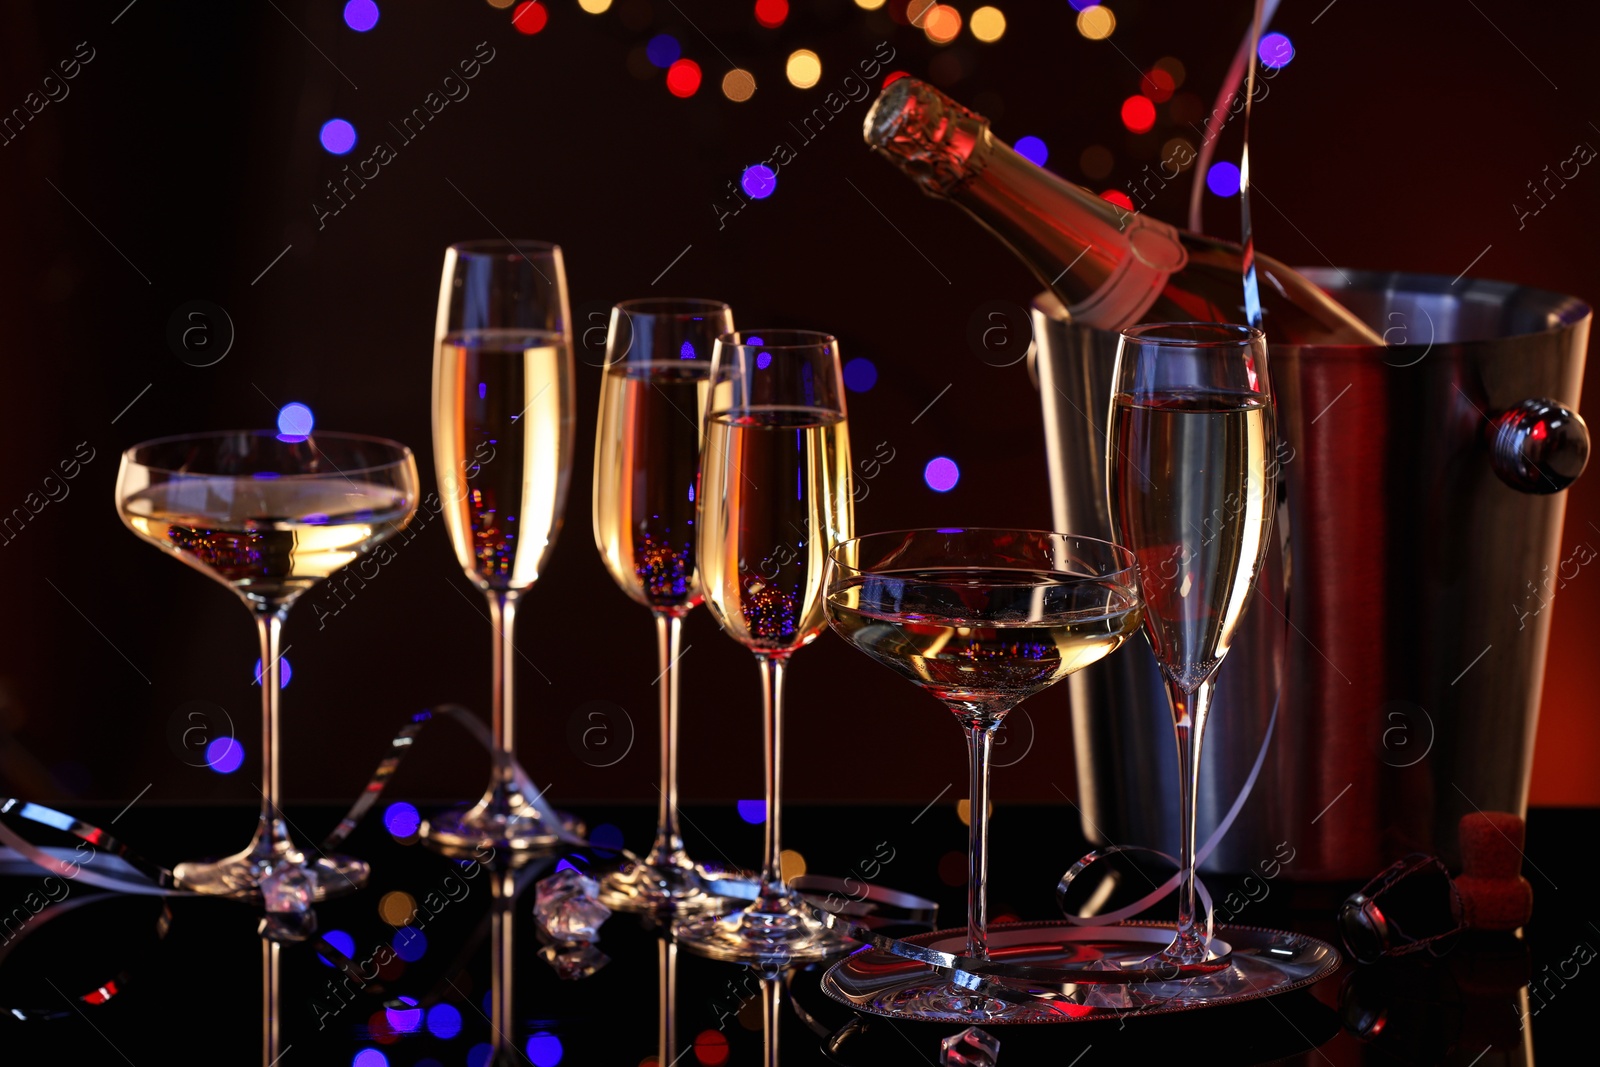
(1110,267)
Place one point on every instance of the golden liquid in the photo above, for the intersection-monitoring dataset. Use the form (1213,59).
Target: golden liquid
(1191,491)
(502,441)
(646,462)
(775,485)
(266,538)
(983,639)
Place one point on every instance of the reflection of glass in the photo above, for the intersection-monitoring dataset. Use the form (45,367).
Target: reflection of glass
(271,1002)
(502,438)
(646,462)
(1191,493)
(268,516)
(667,1002)
(505,886)
(980,619)
(774,499)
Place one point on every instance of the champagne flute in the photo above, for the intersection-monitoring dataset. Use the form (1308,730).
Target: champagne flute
(646,459)
(268,516)
(774,499)
(1191,484)
(502,440)
(982,620)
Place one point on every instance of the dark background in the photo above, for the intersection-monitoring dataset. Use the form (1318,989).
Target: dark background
(186,158)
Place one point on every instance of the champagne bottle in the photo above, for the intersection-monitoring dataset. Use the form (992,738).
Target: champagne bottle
(1111,267)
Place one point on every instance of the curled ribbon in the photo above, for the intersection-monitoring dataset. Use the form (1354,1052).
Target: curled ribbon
(136,874)
(1171,884)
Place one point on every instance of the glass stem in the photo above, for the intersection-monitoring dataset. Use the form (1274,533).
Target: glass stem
(503,616)
(774,895)
(1189,712)
(668,848)
(272,835)
(980,735)
(771,1005)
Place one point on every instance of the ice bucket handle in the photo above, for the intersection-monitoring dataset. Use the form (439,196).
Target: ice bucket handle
(1539,446)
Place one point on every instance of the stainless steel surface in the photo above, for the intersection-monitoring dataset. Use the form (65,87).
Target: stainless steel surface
(1417,633)
(1539,446)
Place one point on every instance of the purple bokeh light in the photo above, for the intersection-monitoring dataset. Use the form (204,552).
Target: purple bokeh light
(341,941)
(444,1021)
(1275,50)
(860,375)
(402,819)
(224,755)
(361,15)
(544,1049)
(758,181)
(285,672)
(663,50)
(410,944)
(405,1020)
(295,420)
(1223,178)
(1033,149)
(941,474)
(337,136)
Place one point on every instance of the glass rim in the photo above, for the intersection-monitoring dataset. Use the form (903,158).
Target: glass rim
(635,306)
(1127,562)
(506,248)
(814,339)
(1229,334)
(404,456)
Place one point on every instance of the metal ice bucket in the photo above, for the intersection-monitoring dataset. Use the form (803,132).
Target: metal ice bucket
(1424,527)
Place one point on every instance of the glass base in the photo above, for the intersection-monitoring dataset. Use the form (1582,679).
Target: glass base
(241,874)
(643,886)
(522,829)
(931,998)
(761,935)
(1261,963)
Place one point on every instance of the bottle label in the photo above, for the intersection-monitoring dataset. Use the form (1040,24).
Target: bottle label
(1156,253)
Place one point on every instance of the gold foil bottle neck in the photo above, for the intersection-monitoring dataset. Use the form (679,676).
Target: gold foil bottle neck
(929,136)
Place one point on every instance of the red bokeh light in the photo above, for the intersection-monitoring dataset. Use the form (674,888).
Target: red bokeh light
(1138,114)
(530,18)
(1118,197)
(1158,85)
(379,1030)
(711,1048)
(953,868)
(683,78)
(771,13)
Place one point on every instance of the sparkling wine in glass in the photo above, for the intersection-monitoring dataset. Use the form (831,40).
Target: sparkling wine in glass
(653,395)
(980,619)
(774,498)
(502,442)
(1192,483)
(268,516)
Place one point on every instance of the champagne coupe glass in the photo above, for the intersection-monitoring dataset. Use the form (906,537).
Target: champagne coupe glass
(268,516)
(1191,481)
(981,619)
(774,499)
(502,451)
(646,459)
